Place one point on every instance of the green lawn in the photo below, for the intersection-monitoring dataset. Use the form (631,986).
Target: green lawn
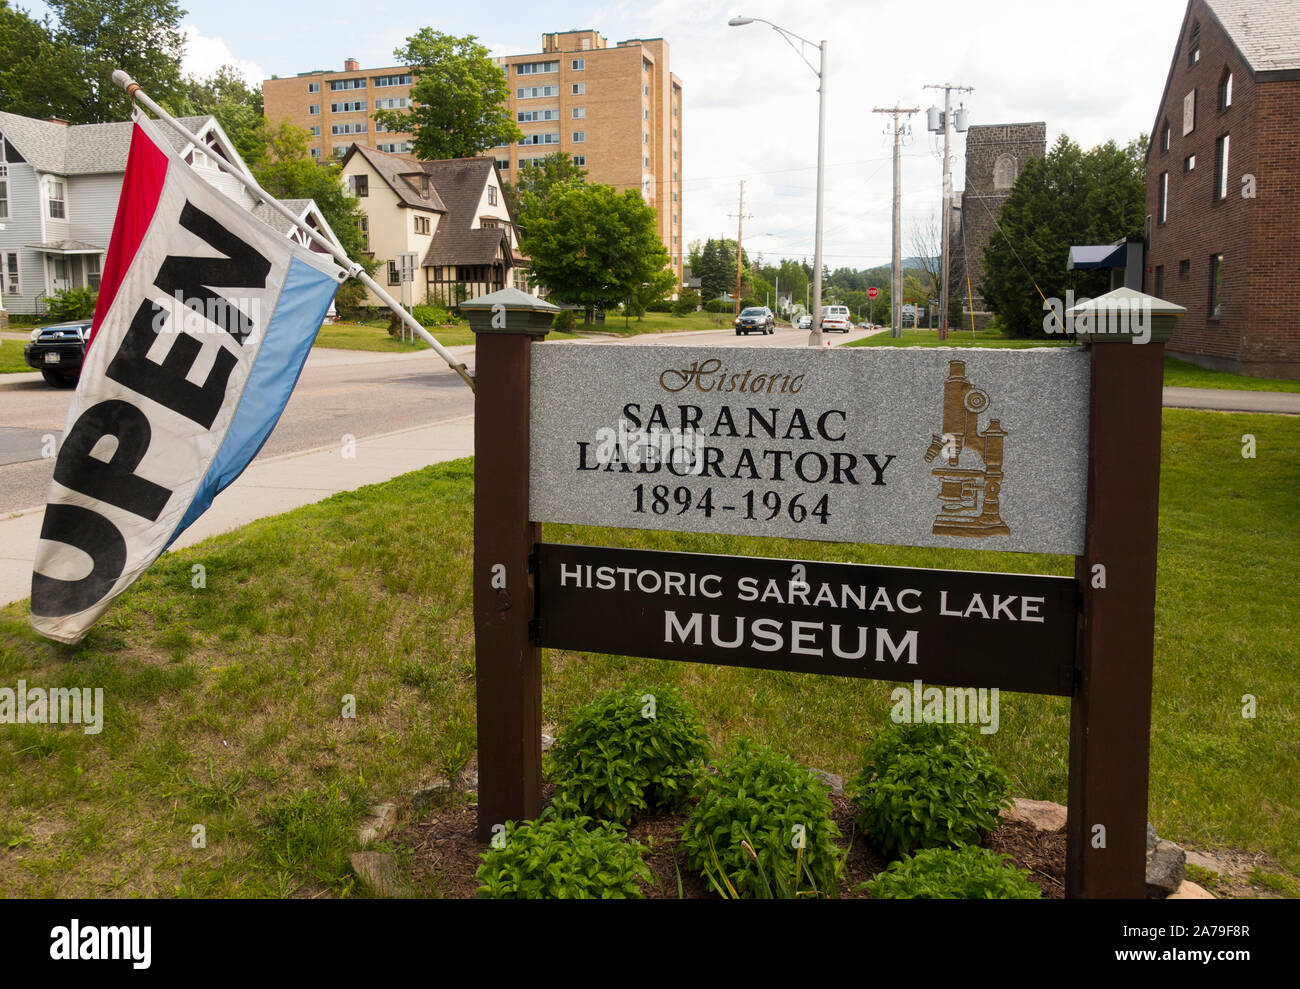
(373,335)
(654,322)
(956,338)
(225,704)
(11,356)
(1182,374)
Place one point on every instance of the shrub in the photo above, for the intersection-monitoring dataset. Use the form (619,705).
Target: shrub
(661,306)
(688,300)
(745,826)
(565,320)
(71,303)
(428,315)
(927,785)
(631,751)
(719,306)
(561,858)
(969,873)
(748,303)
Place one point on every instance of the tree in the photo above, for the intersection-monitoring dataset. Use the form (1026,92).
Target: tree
(658,285)
(539,180)
(237,106)
(459,97)
(287,171)
(37,73)
(141,37)
(1068,197)
(594,246)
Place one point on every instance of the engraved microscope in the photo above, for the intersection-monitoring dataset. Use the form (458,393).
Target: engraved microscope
(969,496)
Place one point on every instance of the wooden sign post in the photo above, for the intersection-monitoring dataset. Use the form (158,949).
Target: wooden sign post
(1040,451)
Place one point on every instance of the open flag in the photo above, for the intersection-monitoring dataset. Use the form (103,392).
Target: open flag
(204,320)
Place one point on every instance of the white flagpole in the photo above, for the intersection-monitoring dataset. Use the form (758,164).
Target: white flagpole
(134,91)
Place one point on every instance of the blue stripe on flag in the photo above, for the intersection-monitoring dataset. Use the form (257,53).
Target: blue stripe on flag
(302,305)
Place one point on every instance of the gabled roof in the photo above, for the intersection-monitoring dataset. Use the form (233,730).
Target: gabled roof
(1265,32)
(88,149)
(393,169)
(460,182)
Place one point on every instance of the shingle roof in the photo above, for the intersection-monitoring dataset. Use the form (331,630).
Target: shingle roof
(274,220)
(1266,32)
(460,182)
(398,172)
(81,149)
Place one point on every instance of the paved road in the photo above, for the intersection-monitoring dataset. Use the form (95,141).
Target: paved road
(1285,403)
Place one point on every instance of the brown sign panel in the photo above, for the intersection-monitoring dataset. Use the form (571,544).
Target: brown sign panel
(945,627)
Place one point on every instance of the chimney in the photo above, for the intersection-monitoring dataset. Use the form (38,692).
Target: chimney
(56,120)
(351,65)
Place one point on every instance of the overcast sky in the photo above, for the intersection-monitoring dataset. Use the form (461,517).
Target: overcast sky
(1093,70)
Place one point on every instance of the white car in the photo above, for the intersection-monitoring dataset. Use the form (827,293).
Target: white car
(836,318)
(805,322)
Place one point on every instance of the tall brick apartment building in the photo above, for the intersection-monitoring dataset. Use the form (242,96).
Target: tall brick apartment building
(995,156)
(617,110)
(1223,187)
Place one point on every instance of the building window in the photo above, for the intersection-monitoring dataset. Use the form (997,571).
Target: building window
(313,87)
(1164,138)
(1195,55)
(1160,281)
(538,92)
(58,208)
(13,283)
(645,138)
(530,116)
(1216,285)
(352,106)
(1194,44)
(1164,197)
(1221,170)
(645,65)
(337,84)
(1225,89)
(397,80)
(579,112)
(536,68)
(580,160)
(578,64)
(674,111)
(645,89)
(314,109)
(645,113)
(363,223)
(395,147)
(315,153)
(360,185)
(1184,268)
(394,276)
(492,195)
(92,270)
(503,164)
(553,138)
(1189,163)
(340,150)
(4,188)
(579,136)
(391,103)
(674,197)
(315,131)
(357,128)
(578,89)
(645,161)
(1189,113)
(421,224)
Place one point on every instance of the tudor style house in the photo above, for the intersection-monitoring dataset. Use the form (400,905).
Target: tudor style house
(1222,200)
(451,214)
(59,188)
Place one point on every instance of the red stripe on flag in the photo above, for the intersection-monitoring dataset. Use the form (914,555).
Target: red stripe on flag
(146,170)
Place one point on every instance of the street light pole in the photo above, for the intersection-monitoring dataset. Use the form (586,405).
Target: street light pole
(815,337)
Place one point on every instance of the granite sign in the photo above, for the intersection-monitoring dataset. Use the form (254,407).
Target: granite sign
(954,448)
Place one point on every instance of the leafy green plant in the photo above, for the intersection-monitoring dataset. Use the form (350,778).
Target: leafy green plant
(71,303)
(564,320)
(926,786)
(429,315)
(968,873)
(568,858)
(631,751)
(759,793)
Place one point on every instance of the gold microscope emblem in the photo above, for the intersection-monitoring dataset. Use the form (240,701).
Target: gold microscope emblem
(969,496)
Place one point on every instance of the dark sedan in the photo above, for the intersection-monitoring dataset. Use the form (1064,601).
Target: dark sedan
(57,352)
(755,319)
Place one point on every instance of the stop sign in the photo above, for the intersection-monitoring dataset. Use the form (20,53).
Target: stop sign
(872,292)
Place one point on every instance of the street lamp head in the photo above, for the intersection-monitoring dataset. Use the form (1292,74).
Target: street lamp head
(740,21)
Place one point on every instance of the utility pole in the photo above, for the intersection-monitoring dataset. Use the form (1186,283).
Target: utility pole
(740,250)
(896,280)
(944,259)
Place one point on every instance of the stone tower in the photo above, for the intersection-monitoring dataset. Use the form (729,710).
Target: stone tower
(995,156)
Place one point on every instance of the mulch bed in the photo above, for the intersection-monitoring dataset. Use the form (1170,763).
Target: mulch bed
(445,853)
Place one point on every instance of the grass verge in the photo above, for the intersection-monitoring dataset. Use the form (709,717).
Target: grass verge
(1181,374)
(11,357)
(226,705)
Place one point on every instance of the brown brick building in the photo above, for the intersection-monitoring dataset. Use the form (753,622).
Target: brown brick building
(617,110)
(1223,187)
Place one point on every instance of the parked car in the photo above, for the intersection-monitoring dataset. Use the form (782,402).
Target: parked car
(57,352)
(805,321)
(758,318)
(836,318)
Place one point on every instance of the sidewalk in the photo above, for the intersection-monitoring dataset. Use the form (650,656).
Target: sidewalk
(268,487)
(1223,400)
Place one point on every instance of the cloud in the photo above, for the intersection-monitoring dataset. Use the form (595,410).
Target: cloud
(204,55)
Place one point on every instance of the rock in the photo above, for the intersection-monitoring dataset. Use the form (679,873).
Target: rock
(378,873)
(834,783)
(1152,837)
(1203,861)
(430,796)
(547,741)
(1166,868)
(382,819)
(1042,814)
(1188,890)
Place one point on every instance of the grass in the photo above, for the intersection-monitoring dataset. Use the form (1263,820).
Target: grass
(373,335)
(1181,374)
(11,357)
(654,322)
(956,338)
(225,706)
